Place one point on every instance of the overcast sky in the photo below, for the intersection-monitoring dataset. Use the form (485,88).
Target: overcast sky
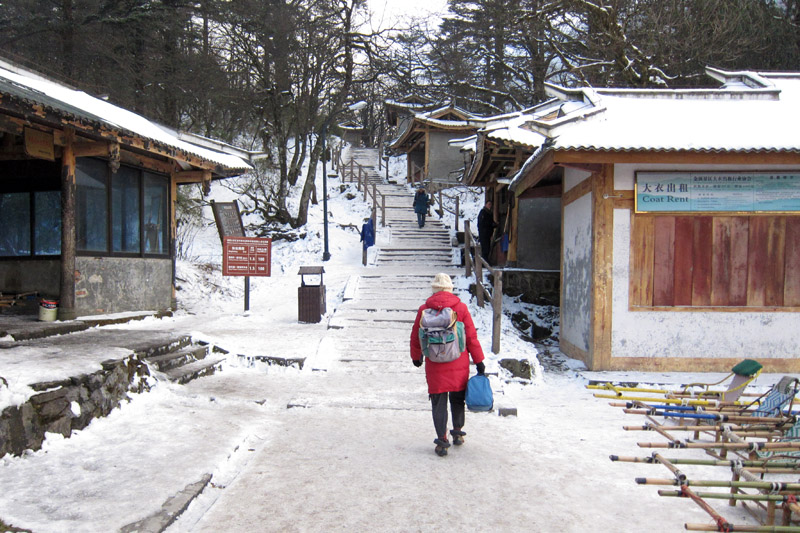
(387,11)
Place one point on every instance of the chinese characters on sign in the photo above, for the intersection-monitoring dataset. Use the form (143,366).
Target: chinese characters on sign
(659,192)
(229,221)
(246,256)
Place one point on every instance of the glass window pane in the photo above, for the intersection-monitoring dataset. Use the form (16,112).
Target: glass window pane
(92,205)
(156,214)
(125,210)
(15,224)
(47,225)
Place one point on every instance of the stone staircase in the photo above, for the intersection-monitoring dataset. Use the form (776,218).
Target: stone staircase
(70,403)
(371,328)
(186,362)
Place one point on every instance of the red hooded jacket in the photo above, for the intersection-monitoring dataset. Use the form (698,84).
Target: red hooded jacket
(452,376)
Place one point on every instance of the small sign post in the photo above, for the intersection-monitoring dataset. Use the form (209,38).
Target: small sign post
(241,256)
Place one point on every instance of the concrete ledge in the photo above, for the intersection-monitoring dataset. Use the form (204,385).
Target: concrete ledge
(170,510)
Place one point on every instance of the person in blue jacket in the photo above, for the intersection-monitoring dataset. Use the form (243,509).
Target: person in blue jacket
(421,206)
(368,233)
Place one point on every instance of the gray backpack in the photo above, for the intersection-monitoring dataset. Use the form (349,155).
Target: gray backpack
(441,335)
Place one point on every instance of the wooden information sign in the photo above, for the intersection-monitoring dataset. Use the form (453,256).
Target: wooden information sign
(229,221)
(246,256)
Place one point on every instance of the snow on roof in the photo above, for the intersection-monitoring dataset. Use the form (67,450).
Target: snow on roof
(514,130)
(61,99)
(750,112)
(466,144)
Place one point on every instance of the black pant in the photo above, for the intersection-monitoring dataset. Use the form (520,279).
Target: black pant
(486,246)
(439,408)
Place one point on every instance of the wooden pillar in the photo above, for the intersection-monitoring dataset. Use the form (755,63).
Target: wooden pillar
(497,310)
(513,234)
(602,267)
(467,248)
(173,232)
(66,307)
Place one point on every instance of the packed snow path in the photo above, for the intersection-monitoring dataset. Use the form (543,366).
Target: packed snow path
(346,443)
(353,449)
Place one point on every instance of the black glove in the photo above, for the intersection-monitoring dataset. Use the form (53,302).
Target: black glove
(417,362)
(481,368)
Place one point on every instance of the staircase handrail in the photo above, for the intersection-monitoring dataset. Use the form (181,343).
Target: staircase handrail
(354,172)
(472,257)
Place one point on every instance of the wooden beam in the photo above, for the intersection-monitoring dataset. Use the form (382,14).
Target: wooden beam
(188,176)
(535,174)
(578,191)
(137,160)
(587,167)
(90,149)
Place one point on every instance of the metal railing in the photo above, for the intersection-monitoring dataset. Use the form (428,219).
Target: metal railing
(495,296)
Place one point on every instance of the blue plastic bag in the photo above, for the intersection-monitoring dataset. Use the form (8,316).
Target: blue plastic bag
(479,394)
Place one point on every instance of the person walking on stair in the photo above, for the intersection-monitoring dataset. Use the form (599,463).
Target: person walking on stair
(447,380)
(421,206)
(486,226)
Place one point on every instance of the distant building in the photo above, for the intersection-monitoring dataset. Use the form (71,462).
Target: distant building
(679,231)
(424,137)
(87,196)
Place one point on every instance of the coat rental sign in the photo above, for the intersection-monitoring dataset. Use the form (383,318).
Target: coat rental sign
(718,192)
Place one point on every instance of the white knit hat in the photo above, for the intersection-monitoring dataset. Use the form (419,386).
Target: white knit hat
(442,282)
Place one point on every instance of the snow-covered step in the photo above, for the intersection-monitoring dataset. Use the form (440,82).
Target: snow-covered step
(178,358)
(203,367)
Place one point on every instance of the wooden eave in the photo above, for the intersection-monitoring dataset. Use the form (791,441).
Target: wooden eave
(492,160)
(16,114)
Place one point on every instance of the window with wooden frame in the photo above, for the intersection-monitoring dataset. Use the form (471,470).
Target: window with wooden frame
(699,261)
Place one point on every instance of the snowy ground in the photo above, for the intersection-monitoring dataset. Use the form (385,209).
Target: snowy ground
(363,459)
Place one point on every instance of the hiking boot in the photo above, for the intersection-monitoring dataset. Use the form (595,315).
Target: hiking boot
(441,447)
(458,436)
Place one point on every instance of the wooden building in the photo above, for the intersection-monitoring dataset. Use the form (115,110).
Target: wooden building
(424,138)
(87,194)
(680,222)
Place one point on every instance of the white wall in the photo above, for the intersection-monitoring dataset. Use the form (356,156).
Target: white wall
(757,335)
(573,177)
(576,299)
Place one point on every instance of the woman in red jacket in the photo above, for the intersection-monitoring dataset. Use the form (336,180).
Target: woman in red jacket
(447,379)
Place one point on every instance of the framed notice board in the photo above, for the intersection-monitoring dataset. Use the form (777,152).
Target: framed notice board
(229,221)
(246,256)
(718,192)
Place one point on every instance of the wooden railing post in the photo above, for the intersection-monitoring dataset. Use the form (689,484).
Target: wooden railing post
(441,205)
(363,173)
(467,249)
(497,309)
(457,211)
(383,210)
(479,277)
(374,204)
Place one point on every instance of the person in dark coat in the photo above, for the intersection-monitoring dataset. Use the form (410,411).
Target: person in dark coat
(421,206)
(486,226)
(448,380)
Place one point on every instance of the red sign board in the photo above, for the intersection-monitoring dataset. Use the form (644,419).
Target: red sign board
(246,256)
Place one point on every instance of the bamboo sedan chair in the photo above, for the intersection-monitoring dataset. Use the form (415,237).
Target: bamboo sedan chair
(760,497)
(741,375)
(768,416)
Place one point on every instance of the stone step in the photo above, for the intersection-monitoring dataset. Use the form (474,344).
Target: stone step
(203,367)
(178,358)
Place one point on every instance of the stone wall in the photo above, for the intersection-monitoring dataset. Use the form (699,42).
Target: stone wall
(541,287)
(70,404)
